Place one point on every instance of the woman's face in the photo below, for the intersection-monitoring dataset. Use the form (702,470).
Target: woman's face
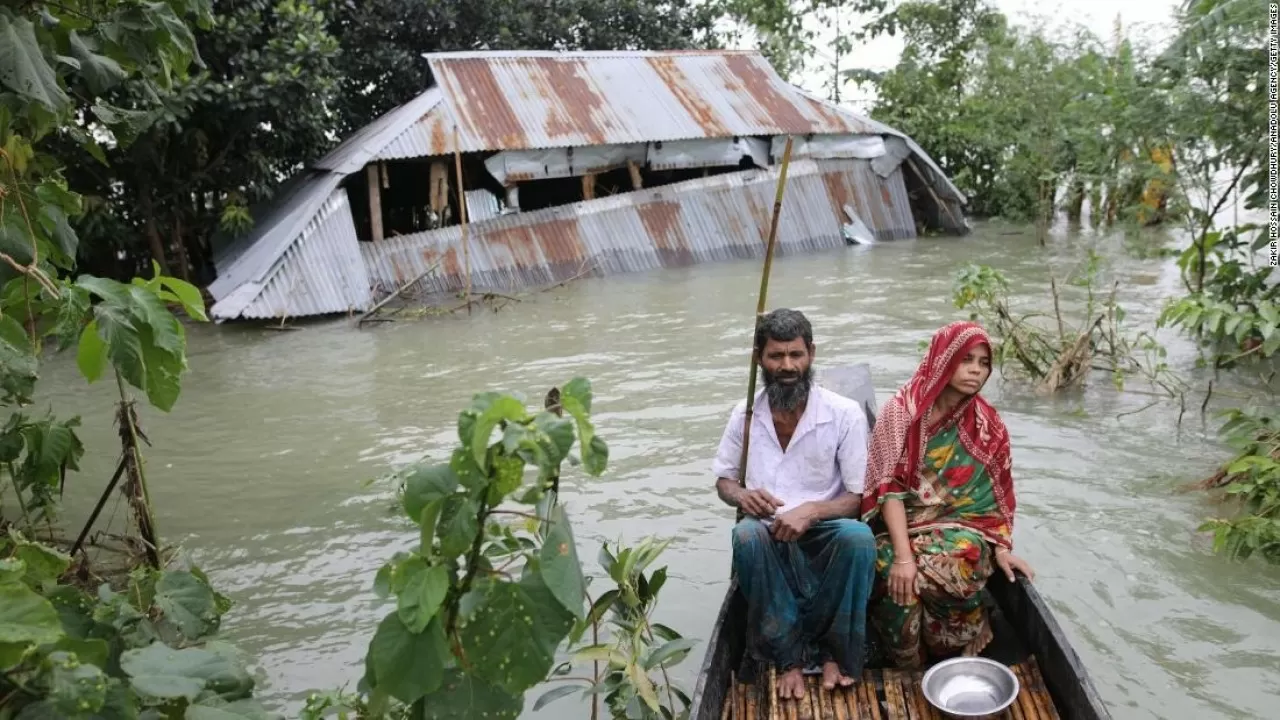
(973,371)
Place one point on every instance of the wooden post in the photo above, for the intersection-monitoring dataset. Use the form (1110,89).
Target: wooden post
(375,202)
(589,186)
(634,169)
(439,186)
(462,210)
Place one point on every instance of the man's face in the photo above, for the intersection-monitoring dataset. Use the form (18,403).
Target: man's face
(788,372)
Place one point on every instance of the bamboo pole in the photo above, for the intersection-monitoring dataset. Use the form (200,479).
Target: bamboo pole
(462,213)
(760,304)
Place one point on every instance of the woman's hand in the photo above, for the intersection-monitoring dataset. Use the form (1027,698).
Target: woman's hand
(902,580)
(1009,562)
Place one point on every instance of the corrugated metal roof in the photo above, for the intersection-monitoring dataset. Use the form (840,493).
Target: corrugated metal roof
(716,218)
(249,258)
(320,272)
(504,101)
(370,141)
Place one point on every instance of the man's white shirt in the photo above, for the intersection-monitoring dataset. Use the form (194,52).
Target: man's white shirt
(827,453)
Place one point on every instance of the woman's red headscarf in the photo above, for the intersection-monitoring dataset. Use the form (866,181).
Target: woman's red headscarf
(899,439)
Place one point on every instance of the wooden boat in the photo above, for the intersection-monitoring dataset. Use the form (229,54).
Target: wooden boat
(1027,638)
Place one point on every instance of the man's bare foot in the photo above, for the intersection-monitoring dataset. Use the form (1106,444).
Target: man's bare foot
(831,676)
(791,685)
(979,643)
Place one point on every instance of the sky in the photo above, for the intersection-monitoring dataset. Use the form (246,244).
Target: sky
(1147,20)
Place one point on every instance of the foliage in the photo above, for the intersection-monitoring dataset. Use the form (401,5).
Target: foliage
(67,653)
(1015,116)
(482,604)
(61,54)
(1050,350)
(1252,478)
(638,646)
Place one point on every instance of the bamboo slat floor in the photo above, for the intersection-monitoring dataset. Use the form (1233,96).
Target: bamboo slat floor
(879,695)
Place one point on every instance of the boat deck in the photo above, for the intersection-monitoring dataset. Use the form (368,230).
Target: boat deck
(879,695)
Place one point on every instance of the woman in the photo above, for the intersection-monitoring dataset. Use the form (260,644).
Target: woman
(938,477)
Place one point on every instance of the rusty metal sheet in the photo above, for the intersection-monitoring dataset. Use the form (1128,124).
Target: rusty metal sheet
(703,220)
(503,101)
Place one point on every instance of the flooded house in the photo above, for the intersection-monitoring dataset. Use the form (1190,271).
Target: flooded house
(571,165)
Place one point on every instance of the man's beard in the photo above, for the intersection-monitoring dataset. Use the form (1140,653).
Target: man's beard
(791,395)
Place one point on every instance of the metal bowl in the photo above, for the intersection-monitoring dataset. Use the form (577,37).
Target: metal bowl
(970,687)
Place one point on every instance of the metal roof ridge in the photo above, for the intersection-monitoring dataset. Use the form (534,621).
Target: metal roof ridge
(483,54)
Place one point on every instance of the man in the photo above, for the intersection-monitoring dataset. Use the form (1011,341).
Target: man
(803,565)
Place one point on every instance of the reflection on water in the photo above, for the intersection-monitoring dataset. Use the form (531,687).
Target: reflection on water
(260,471)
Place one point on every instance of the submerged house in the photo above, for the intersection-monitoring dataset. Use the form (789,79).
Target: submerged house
(586,163)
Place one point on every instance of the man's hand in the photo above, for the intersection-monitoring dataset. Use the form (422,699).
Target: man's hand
(790,525)
(759,503)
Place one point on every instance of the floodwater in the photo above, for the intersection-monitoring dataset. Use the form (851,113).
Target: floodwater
(261,470)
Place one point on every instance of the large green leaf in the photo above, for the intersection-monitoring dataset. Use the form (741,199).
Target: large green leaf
(91,355)
(100,72)
(502,407)
(464,697)
(166,331)
(163,370)
(512,636)
(558,563)
(575,398)
(23,68)
(18,364)
(188,296)
(426,484)
(458,525)
(75,688)
(44,564)
(188,603)
(408,665)
(422,595)
(25,616)
(159,671)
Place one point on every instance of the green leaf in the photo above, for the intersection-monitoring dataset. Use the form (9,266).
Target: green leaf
(559,565)
(91,355)
(23,68)
(163,372)
(503,407)
(643,686)
(516,629)
(668,652)
(44,564)
(408,665)
(595,454)
(554,694)
(427,525)
(161,672)
(18,364)
(100,72)
(166,331)
(558,433)
(75,687)
(427,484)
(94,651)
(508,476)
(1271,345)
(422,596)
(25,617)
(188,295)
(464,697)
(458,525)
(188,603)
(579,389)
(11,570)
(55,224)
